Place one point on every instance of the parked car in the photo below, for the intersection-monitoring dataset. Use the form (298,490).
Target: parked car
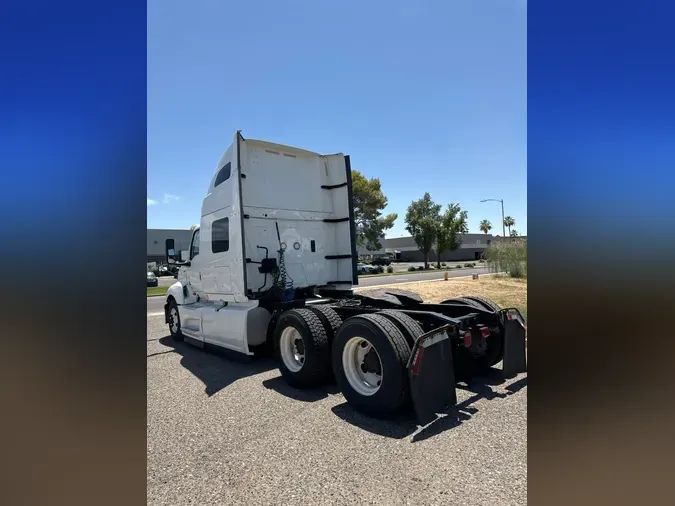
(365,269)
(152,279)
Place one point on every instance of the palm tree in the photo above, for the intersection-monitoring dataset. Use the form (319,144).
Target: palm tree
(509,222)
(485,226)
(514,233)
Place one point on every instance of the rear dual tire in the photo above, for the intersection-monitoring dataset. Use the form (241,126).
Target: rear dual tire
(468,365)
(495,349)
(370,357)
(305,338)
(302,348)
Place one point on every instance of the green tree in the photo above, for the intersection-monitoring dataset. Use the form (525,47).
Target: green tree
(422,222)
(513,233)
(451,224)
(485,226)
(369,201)
(509,222)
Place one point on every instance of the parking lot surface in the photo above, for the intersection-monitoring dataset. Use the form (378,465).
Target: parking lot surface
(227,431)
(166,280)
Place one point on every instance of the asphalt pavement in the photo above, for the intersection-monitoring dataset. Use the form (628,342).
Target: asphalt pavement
(222,430)
(156,304)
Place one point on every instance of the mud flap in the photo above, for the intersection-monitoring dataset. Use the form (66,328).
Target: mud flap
(515,360)
(432,375)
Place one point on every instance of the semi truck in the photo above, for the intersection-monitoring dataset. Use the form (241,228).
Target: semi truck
(273,263)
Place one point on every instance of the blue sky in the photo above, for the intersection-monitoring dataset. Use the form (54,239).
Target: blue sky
(427,96)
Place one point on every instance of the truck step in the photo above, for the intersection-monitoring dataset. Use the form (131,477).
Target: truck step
(337,257)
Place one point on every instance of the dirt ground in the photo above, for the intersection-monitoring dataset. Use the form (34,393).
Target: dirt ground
(507,292)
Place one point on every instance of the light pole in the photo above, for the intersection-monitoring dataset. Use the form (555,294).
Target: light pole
(502,202)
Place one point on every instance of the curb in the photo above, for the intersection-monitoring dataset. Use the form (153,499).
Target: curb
(412,273)
(376,287)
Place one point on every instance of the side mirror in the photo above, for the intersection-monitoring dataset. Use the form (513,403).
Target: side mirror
(170,250)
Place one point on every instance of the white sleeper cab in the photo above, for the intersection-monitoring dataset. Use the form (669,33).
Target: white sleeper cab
(273,262)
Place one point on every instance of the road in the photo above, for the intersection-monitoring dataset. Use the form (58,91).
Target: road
(403,266)
(156,304)
(406,277)
(226,431)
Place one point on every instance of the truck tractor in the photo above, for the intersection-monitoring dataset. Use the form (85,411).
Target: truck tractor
(273,262)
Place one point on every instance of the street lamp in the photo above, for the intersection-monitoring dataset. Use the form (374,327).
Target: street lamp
(502,202)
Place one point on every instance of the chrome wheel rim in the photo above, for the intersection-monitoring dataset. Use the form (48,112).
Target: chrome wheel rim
(292,349)
(362,366)
(173,317)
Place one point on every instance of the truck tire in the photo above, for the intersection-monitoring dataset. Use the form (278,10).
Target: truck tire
(370,358)
(486,303)
(302,349)
(410,328)
(463,300)
(467,365)
(330,319)
(174,322)
(495,351)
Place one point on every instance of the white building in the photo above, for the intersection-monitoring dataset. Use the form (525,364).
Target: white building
(157,242)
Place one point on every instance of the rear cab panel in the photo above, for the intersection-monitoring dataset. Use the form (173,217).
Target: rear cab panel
(258,186)
(290,188)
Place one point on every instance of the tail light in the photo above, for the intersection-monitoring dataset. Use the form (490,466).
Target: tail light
(467,339)
(485,332)
(418,361)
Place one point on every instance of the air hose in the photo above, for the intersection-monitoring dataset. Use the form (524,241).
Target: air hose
(284,283)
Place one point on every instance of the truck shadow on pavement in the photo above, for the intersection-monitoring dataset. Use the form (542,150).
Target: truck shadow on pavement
(318,393)
(216,368)
(406,425)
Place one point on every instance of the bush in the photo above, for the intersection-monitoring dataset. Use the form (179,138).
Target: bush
(411,269)
(468,265)
(482,260)
(458,266)
(443,264)
(390,269)
(379,269)
(420,268)
(431,266)
(509,257)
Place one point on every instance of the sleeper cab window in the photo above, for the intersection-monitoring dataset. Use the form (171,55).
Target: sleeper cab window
(220,235)
(223,174)
(194,250)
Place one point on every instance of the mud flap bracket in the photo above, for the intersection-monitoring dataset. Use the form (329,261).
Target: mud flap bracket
(432,375)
